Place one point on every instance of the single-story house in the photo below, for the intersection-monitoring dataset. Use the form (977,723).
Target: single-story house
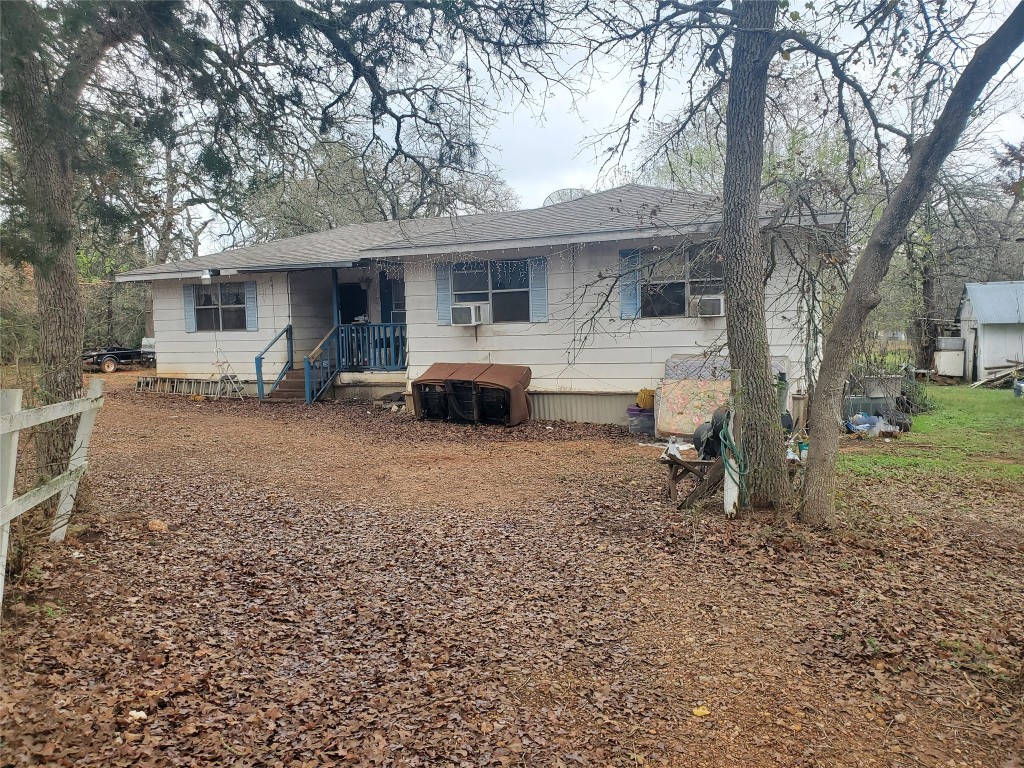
(594,295)
(991,319)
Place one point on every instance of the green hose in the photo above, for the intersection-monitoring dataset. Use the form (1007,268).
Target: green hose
(737,474)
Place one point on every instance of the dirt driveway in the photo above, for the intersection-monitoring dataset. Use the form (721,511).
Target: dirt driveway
(344,587)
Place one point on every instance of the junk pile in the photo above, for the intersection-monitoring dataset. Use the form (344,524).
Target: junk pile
(693,387)
(877,405)
(1003,376)
(865,425)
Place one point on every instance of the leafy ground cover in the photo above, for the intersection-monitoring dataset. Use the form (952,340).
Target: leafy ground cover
(345,586)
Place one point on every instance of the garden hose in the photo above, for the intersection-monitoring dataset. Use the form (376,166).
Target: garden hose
(738,473)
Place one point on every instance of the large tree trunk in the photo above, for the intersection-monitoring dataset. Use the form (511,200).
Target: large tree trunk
(38,121)
(745,255)
(61,334)
(862,295)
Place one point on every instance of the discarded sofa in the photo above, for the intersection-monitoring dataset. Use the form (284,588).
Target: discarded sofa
(482,393)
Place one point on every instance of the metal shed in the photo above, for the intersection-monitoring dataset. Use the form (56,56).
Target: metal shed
(992,323)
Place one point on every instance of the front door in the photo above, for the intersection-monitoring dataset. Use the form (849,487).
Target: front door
(352,302)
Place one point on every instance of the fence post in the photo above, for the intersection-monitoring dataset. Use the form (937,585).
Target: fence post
(10,402)
(78,457)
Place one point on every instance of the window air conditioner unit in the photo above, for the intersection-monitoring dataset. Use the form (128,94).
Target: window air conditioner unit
(707,306)
(467,314)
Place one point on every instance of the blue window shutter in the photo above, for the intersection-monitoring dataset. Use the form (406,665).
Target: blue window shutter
(252,322)
(629,285)
(539,290)
(443,285)
(190,308)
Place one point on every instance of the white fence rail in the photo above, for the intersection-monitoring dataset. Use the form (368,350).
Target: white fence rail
(12,421)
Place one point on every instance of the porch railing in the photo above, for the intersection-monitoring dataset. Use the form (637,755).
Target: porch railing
(354,347)
(373,346)
(289,365)
(322,364)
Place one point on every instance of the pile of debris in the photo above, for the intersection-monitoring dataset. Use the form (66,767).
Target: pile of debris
(1003,377)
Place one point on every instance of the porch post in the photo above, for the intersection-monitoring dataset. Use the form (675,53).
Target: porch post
(337,315)
(334,294)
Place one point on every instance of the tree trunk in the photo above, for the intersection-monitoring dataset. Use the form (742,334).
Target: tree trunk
(61,334)
(40,143)
(745,255)
(862,295)
(929,327)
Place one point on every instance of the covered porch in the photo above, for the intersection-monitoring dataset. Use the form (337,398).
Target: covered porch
(343,321)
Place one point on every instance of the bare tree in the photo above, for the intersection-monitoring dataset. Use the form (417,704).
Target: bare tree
(857,50)
(396,79)
(334,186)
(927,157)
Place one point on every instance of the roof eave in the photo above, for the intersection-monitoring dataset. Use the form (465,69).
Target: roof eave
(140,276)
(148,277)
(454,248)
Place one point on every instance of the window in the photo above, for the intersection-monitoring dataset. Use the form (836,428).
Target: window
(398,301)
(505,285)
(706,273)
(515,289)
(668,282)
(221,307)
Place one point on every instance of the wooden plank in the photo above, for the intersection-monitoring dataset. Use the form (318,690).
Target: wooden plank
(14,422)
(10,404)
(39,494)
(711,481)
(79,452)
(673,482)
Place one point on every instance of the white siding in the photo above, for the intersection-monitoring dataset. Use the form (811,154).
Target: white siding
(585,347)
(999,342)
(195,354)
(312,307)
(970,331)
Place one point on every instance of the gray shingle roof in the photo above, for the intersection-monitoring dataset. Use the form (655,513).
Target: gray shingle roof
(1001,302)
(632,211)
(629,211)
(331,248)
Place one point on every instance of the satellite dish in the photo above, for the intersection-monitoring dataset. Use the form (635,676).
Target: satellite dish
(564,196)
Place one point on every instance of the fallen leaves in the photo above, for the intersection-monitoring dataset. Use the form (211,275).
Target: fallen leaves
(363,589)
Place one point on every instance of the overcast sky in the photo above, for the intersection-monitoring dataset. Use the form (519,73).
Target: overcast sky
(537,155)
(542,148)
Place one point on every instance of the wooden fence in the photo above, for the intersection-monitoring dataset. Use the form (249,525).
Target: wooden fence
(12,421)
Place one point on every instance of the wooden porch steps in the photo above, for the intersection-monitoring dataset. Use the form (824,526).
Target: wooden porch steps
(291,389)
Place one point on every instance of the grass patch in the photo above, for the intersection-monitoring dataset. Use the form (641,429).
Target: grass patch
(970,432)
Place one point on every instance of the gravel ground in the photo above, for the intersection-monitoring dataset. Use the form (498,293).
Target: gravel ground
(340,585)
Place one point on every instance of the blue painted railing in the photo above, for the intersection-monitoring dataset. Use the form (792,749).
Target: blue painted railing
(372,346)
(354,347)
(322,364)
(286,332)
